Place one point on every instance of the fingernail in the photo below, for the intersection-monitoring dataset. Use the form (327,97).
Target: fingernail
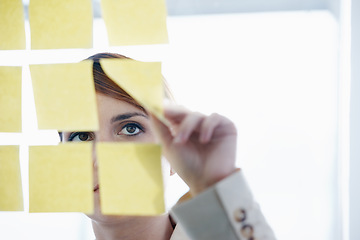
(178,138)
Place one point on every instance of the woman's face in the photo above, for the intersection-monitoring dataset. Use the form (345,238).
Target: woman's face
(119,121)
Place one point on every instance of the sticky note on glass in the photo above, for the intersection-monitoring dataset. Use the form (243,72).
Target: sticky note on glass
(133,22)
(130,179)
(10,99)
(60,24)
(65,96)
(142,80)
(61,178)
(12,28)
(11,197)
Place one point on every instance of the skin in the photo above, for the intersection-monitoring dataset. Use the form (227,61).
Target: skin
(201,149)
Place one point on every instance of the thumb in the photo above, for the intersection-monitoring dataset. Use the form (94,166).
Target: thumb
(162,131)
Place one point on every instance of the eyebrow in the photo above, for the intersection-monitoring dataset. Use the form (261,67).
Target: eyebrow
(125,116)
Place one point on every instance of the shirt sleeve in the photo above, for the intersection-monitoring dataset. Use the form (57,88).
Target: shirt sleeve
(225,211)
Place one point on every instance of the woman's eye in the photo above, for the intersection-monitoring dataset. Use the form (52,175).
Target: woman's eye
(81,137)
(130,130)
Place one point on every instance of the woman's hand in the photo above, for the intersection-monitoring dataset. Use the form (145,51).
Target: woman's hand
(200,148)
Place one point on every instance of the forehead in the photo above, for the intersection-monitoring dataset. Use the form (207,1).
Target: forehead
(108,106)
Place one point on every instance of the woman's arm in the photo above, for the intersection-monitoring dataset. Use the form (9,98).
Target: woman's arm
(202,150)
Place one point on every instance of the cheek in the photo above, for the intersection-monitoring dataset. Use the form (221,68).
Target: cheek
(149,137)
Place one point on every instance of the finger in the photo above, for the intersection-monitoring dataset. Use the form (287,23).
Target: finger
(162,131)
(188,126)
(216,126)
(175,113)
(208,127)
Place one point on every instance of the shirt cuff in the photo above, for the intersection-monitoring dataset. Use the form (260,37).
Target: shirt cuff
(225,211)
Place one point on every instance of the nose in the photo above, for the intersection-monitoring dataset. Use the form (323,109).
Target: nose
(94,158)
(100,136)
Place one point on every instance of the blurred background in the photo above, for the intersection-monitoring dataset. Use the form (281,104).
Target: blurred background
(280,69)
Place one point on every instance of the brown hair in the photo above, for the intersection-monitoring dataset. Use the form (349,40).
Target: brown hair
(105,85)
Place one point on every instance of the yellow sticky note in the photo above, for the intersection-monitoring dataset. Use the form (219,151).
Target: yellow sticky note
(65,96)
(10,99)
(11,197)
(12,27)
(130,179)
(142,80)
(60,24)
(61,178)
(133,22)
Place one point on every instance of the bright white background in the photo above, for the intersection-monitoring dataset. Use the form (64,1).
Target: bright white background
(274,74)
